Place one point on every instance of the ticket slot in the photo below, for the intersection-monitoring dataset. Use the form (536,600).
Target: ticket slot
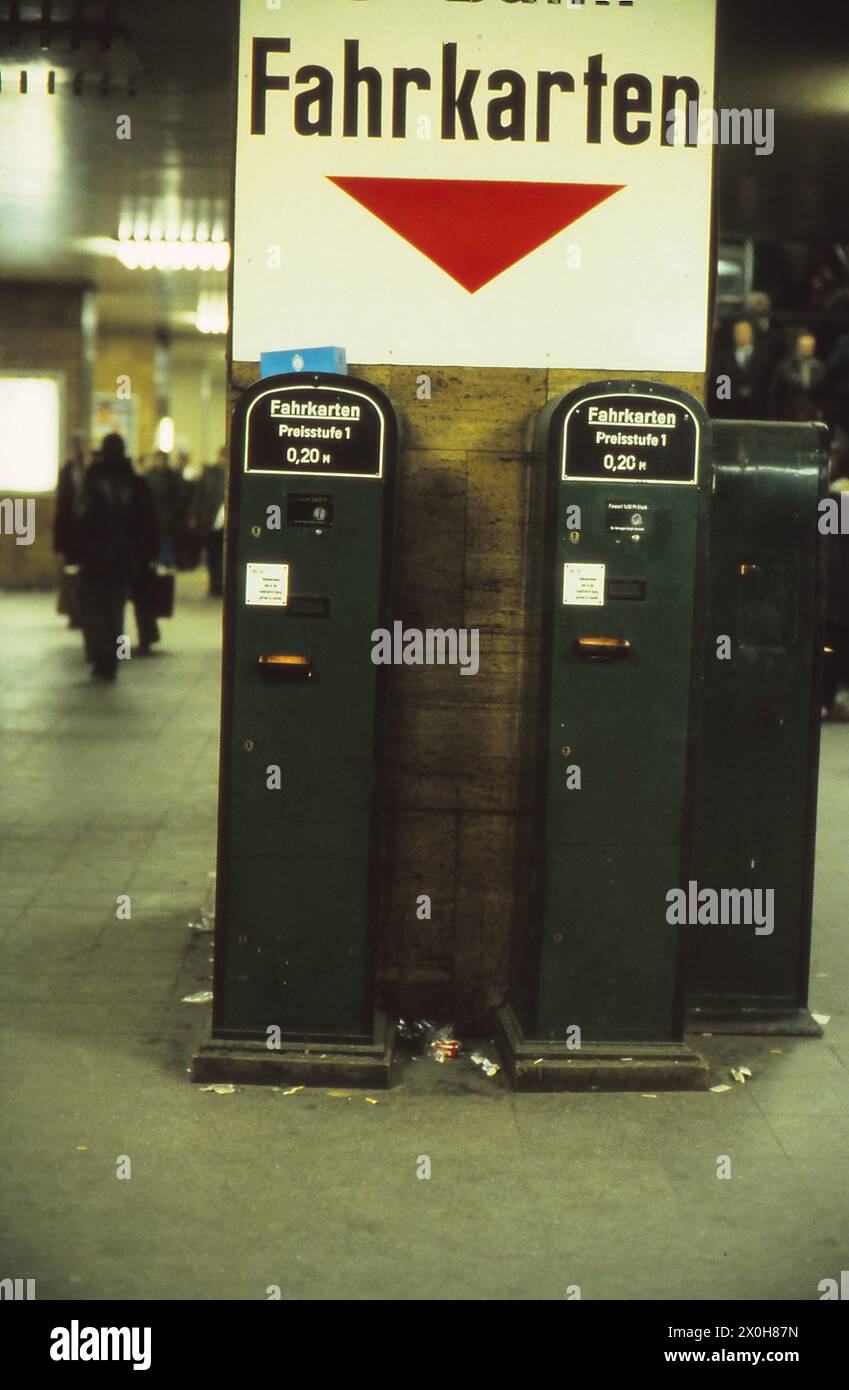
(602,648)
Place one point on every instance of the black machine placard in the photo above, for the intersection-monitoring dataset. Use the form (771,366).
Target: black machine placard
(631,438)
(317,431)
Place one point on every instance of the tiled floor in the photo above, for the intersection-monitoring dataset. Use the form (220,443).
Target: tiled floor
(111,791)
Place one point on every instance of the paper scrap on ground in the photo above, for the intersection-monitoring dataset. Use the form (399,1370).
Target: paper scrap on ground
(821,1019)
(722,1087)
(221,1089)
(740,1074)
(203,996)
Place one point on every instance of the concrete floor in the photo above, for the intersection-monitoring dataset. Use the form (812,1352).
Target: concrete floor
(110,791)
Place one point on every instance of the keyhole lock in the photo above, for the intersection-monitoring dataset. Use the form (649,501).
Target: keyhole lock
(256,531)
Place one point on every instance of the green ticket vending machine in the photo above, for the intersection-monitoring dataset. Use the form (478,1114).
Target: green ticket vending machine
(597,983)
(308,579)
(761,727)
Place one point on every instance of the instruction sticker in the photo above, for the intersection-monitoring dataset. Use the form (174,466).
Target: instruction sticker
(267,585)
(584,585)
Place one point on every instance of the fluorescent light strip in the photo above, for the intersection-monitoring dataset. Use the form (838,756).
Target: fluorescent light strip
(147,254)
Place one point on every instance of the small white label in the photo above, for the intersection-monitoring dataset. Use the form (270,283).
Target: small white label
(267,585)
(584,584)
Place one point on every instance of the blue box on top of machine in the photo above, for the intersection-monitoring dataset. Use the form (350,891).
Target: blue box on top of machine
(316,359)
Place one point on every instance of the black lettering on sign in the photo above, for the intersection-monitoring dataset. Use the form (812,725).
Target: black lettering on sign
(358,99)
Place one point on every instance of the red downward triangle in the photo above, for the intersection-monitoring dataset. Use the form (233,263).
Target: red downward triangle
(475,228)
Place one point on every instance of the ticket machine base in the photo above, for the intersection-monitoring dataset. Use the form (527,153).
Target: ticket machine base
(767,1023)
(312,1062)
(544,1065)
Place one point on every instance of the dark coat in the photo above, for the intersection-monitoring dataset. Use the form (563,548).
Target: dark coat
(792,399)
(166,486)
(68,496)
(117,528)
(208,496)
(747,396)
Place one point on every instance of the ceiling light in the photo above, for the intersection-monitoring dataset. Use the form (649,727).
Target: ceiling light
(212,315)
(147,253)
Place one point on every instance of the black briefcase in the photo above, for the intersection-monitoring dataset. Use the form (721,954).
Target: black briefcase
(158,591)
(68,603)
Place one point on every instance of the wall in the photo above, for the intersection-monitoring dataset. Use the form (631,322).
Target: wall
(196,385)
(45,328)
(199,395)
(457,746)
(129,355)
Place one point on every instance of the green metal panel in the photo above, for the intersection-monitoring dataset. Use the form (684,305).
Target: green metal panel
(609,851)
(760,743)
(297,893)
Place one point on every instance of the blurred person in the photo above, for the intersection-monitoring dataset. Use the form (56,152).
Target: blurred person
(743,369)
(184,536)
(769,338)
(799,382)
(760,309)
(68,488)
(68,491)
(820,289)
(118,539)
(164,483)
(209,500)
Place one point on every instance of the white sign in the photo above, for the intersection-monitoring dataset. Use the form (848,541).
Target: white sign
(583,585)
(475,182)
(267,585)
